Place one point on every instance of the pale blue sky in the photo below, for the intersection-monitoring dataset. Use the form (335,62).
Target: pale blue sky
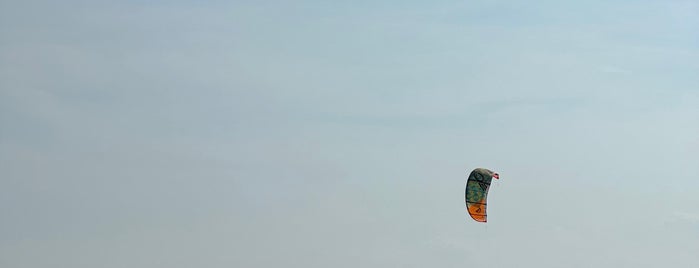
(340,134)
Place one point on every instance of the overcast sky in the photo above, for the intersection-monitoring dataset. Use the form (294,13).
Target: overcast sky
(340,133)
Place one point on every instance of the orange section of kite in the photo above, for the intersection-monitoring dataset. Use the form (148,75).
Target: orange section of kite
(477,212)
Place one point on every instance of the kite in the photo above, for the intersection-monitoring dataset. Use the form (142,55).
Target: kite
(477,193)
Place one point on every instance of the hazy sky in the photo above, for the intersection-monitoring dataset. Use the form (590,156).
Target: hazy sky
(340,134)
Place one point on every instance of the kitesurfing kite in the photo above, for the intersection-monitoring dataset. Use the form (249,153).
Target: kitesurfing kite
(477,193)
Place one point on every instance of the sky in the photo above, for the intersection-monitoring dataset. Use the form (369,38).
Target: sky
(340,133)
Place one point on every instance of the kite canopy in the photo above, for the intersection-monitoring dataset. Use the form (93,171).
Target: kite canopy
(477,193)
